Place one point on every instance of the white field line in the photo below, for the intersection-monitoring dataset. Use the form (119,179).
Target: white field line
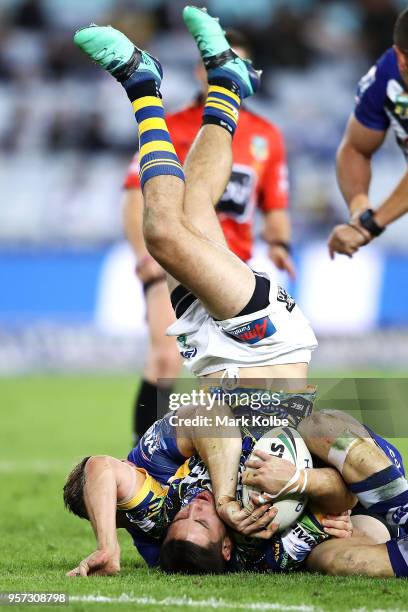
(40,466)
(212,603)
(188,602)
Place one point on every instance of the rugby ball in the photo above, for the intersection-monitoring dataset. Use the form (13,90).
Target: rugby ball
(285,443)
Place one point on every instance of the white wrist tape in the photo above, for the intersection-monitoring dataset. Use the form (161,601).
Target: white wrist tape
(303,489)
(292,486)
(340,449)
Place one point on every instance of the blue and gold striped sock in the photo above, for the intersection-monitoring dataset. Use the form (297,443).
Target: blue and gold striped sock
(222,104)
(157,156)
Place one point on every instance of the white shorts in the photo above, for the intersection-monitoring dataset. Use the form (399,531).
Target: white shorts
(278,334)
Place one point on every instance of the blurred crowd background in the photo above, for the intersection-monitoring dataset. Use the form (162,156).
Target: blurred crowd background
(68,294)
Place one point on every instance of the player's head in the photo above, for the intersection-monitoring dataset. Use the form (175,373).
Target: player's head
(74,490)
(197,541)
(239,44)
(401,41)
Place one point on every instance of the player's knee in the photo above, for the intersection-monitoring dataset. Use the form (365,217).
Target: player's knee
(321,428)
(160,234)
(313,426)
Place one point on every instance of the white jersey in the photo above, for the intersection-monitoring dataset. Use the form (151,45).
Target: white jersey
(277,334)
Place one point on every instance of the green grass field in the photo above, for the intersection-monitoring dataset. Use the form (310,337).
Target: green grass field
(48,423)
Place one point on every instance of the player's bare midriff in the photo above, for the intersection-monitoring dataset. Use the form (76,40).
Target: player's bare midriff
(295,371)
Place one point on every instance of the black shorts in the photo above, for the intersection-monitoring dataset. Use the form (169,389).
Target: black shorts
(182,298)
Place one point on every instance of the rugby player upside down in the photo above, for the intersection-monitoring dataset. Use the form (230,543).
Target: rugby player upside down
(258,181)
(231,320)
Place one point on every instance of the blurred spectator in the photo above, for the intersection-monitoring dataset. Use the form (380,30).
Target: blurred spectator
(9,140)
(60,59)
(378,19)
(55,104)
(60,135)
(92,138)
(283,42)
(30,15)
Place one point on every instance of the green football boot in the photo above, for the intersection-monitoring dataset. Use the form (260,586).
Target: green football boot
(114,52)
(217,55)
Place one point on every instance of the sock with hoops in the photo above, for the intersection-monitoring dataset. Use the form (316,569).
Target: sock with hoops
(222,104)
(157,154)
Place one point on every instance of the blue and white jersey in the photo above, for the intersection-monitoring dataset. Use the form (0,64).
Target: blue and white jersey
(382,99)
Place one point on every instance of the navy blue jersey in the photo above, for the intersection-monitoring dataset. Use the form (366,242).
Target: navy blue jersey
(172,481)
(382,99)
(176,481)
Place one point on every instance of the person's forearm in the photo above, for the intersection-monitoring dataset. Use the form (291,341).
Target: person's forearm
(100,493)
(395,205)
(353,177)
(133,221)
(277,227)
(220,448)
(327,491)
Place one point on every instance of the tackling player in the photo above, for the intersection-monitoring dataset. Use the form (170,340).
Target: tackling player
(382,102)
(374,472)
(179,514)
(172,507)
(258,179)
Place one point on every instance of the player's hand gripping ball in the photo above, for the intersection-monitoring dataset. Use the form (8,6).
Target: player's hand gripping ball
(277,470)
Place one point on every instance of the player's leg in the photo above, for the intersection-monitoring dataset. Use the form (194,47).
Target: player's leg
(373,527)
(370,465)
(209,163)
(206,181)
(223,283)
(369,552)
(208,169)
(351,556)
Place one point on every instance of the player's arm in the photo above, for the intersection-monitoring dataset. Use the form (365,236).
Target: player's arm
(274,204)
(220,448)
(147,268)
(324,487)
(213,446)
(354,163)
(277,233)
(354,176)
(107,481)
